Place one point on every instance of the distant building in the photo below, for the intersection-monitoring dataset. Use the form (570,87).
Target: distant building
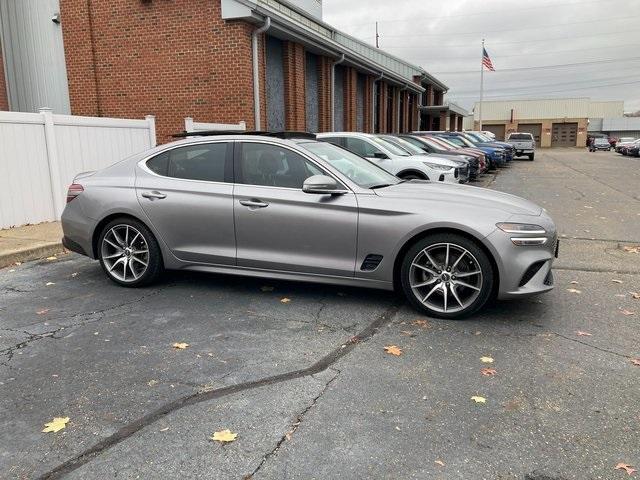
(554,122)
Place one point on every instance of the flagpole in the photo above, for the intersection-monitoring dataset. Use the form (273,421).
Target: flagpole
(481,86)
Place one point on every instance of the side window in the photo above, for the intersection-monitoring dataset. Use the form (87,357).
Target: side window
(360,147)
(199,162)
(194,162)
(335,140)
(274,166)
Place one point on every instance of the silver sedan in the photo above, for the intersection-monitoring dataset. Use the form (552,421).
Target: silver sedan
(299,209)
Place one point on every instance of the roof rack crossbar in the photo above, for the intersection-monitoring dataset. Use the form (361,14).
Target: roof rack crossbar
(279,134)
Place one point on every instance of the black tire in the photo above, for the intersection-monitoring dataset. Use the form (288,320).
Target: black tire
(412,176)
(531,157)
(485,283)
(154,267)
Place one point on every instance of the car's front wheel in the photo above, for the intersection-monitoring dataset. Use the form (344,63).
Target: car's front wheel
(129,253)
(447,276)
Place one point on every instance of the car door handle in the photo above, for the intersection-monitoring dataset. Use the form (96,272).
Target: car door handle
(154,194)
(254,203)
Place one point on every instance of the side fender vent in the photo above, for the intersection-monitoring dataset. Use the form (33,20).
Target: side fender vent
(371,262)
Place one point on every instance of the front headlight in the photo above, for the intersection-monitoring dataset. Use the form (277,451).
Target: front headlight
(527,228)
(437,166)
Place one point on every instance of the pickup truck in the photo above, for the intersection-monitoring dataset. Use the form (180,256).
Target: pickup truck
(523,143)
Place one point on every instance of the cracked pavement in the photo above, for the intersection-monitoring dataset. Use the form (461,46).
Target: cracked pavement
(307,385)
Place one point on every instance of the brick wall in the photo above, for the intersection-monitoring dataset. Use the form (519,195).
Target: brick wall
(368,104)
(294,87)
(324,94)
(172,59)
(394,111)
(350,87)
(4,99)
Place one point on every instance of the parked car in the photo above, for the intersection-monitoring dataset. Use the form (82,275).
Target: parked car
(480,138)
(462,164)
(495,154)
(489,134)
(393,159)
(634,150)
(476,159)
(523,143)
(299,209)
(599,144)
(623,142)
(448,144)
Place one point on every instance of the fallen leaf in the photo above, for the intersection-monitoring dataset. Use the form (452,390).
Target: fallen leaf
(626,468)
(407,333)
(180,346)
(224,436)
(439,462)
(620,295)
(477,399)
(17,264)
(52,258)
(627,312)
(573,290)
(49,284)
(636,361)
(420,323)
(573,282)
(393,350)
(12,270)
(285,300)
(151,383)
(580,333)
(635,295)
(486,359)
(615,280)
(57,424)
(487,372)
(635,249)
(164,429)
(267,288)
(42,312)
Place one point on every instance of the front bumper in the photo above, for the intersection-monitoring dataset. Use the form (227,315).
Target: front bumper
(524,270)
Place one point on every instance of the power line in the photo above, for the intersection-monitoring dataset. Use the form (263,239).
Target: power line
(520,55)
(482,32)
(454,96)
(492,12)
(543,67)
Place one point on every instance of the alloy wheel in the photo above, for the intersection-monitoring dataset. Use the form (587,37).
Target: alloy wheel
(445,277)
(125,253)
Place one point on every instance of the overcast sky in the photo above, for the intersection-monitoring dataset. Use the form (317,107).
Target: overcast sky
(444,37)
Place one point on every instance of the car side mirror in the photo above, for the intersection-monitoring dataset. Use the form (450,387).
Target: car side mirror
(381,155)
(323,185)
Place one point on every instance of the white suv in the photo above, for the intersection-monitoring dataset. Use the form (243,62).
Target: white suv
(394,159)
(523,143)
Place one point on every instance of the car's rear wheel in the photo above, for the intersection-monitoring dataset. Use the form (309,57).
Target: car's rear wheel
(129,253)
(447,276)
(531,157)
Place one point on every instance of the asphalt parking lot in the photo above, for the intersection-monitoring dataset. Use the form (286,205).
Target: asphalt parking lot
(300,373)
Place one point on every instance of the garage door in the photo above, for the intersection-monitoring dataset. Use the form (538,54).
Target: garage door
(497,130)
(533,128)
(564,134)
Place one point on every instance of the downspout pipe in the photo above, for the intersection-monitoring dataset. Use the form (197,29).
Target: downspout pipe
(333,92)
(399,109)
(373,102)
(256,72)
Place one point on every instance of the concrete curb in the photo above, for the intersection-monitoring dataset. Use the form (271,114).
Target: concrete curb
(33,253)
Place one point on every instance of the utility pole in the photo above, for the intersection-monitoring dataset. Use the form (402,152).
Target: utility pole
(377,36)
(481,86)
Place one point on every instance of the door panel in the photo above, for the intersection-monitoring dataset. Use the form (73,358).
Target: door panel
(278,226)
(564,134)
(297,231)
(193,217)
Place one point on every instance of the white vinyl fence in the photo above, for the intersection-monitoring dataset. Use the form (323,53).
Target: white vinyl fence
(191,126)
(40,153)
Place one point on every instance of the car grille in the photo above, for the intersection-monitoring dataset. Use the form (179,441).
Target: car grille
(371,262)
(531,271)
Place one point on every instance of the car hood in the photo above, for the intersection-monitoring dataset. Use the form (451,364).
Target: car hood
(452,193)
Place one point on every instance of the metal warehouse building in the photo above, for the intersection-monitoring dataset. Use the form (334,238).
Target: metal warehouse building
(273,64)
(557,122)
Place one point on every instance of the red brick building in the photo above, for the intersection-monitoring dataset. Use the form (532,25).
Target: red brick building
(195,58)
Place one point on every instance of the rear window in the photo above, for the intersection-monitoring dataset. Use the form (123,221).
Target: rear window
(520,136)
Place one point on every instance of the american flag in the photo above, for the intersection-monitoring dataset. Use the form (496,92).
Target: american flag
(486,61)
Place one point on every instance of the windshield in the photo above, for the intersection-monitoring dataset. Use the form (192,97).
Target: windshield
(461,141)
(437,146)
(394,149)
(360,171)
(408,146)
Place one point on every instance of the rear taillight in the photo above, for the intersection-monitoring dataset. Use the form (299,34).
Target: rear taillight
(73,191)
